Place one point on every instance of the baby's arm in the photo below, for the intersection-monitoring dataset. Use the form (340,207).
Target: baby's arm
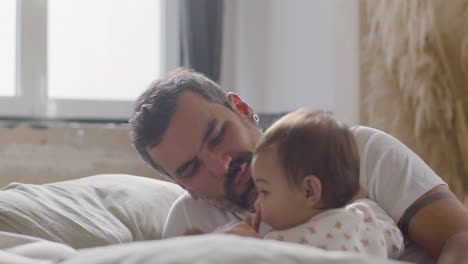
(380,228)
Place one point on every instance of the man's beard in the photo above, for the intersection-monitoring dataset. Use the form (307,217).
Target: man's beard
(231,201)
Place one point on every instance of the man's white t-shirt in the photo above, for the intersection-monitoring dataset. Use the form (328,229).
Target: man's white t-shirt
(390,173)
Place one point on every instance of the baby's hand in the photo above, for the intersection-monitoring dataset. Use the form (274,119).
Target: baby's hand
(255,223)
(246,228)
(193,231)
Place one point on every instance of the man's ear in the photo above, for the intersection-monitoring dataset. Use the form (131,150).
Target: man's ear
(242,108)
(313,190)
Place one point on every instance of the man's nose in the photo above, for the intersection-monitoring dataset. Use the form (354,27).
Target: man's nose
(217,163)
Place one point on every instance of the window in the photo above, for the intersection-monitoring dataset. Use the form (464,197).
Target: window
(82,60)
(7,47)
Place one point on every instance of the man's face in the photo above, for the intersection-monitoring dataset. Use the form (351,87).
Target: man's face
(207,149)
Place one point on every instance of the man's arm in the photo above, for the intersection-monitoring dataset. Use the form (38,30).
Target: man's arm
(411,193)
(438,222)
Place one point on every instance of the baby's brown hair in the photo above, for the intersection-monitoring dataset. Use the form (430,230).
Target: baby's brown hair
(311,142)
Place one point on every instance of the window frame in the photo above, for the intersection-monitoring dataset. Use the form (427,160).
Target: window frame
(31,100)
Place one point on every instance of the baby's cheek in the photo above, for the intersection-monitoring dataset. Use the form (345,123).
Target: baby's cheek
(267,217)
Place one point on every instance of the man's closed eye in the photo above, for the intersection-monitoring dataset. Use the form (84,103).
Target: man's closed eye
(216,140)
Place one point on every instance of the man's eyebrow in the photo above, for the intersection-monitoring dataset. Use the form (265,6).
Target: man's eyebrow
(209,129)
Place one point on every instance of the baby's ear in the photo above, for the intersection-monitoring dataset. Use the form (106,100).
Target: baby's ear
(313,190)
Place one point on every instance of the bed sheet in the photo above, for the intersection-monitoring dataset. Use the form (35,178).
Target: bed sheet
(215,249)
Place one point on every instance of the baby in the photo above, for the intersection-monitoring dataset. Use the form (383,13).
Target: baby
(306,170)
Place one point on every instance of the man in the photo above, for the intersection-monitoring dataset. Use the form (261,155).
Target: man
(188,129)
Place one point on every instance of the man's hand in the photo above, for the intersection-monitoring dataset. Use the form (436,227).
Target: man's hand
(455,249)
(249,227)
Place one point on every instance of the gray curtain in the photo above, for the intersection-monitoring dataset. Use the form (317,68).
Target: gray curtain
(201,36)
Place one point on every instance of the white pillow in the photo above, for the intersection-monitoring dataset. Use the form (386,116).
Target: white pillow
(33,247)
(89,212)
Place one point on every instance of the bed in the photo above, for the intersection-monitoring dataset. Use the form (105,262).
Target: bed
(117,218)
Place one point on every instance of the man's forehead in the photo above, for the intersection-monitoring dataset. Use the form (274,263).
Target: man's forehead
(190,99)
(184,133)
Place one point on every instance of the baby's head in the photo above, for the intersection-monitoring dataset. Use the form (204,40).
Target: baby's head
(304,163)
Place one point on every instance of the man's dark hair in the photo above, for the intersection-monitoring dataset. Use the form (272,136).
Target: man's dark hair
(154,108)
(311,142)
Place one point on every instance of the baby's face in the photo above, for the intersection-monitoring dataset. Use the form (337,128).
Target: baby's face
(281,205)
